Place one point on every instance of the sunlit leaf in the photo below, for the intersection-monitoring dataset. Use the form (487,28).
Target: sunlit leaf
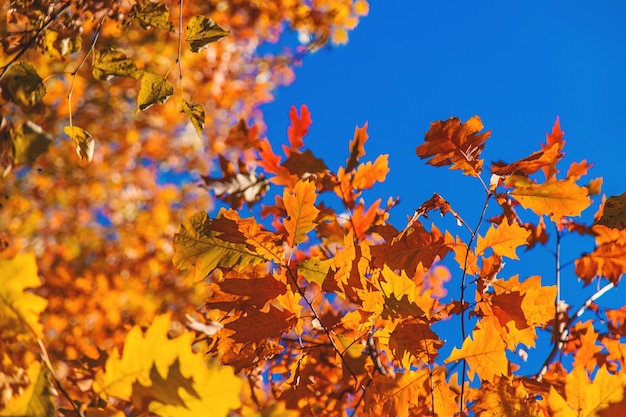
(36,399)
(301,212)
(85,144)
(195,112)
(23,85)
(314,269)
(154,90)
(504,239)
(28,142)
(357,146)
(19,308)
(151,14)
(201,31)
(60,46)
(110,62)
(299,126)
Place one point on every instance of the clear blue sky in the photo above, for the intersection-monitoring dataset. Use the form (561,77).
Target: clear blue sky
(517,65)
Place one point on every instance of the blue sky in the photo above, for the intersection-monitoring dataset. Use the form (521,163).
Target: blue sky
(517,65)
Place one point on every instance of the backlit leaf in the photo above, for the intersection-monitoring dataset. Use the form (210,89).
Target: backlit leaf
(456,144)
(198,244)
(314,269)
(614,212)
(357,147)
(503,240)
(36,399)
(60,46)
(85,144)
(154,90)
(151,14)
(301,212)
(23,84)
(109,63)
(299,126)
(529,165)
(28,142)
(555,198)
(20,309)
(195,112)
(201,31)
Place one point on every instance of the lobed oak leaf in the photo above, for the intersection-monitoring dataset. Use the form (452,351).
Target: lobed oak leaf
(412,342)
(530,164)
(198,244)
(484,352)
(555,198)
(256,325)
(397,395)
(614,212)
(368,173)
(299,127)
(357,147)
(314,269)
(36,400)
(456,144)
(553,140)
(503,240)
(201,31)
(504,397)
(301,212)
(19,309)
(608,259)
(303,164)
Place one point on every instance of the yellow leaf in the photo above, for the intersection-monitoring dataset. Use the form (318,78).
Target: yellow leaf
(195,112)
(300,206)
(201,31)
(314,269)
(154,89)
(28,142)
(36,399)
(503,240)
(23,84)
(85,144)
(556,198)
(20,310)
(109,63)
(148,13)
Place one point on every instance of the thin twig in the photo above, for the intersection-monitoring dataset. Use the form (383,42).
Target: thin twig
(180,45)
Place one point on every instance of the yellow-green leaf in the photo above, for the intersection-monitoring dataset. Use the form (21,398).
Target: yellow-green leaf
(84,142)
(301,210)
(61,46)
(556,198)
(110,62)
(23,84)
(201,31)
(164,376)
(28,142)
(154,89)
(19,309)
(36,399)
(199,244)
(151,14)
(195,112)
(314,269)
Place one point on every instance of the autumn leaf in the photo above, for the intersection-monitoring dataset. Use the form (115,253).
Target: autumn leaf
(530,164)
(28,142)
(197,244)
(20,309)
(150,14)
(555,198)
(23,84)
(154,90)
(505,397)
(299,126)
(357,147)
(59,45)
(554,140)
(85,144)
(387,395)
(314,269)
(109,63)
(301,212)
(614,212)
(36,399)
(484,353)
(503,240)
(455,143)
(164,376)
(195,112)
(201,31)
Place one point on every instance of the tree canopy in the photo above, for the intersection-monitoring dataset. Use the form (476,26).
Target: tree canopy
(132,282)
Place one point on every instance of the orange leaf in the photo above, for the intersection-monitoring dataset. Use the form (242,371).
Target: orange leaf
(299,126)
(529,165)
(357,147)
(556,198)
(456,144)
(503,240)
(367,174)
(484,353)
(608,259)
(554,139)
(300,206)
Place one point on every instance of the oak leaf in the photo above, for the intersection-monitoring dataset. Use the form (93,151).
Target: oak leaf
(457,144)
(554,139)
(301,211)
(357,147)
(503,240)
(530,164)
(395,396)
(36,399)
(299,127)
(614,212)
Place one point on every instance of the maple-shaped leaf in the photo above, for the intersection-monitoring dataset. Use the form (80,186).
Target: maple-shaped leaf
(85,143)
(555,198)
(257,325)
(503,240)
(109,63)
(457,144)
(154,90)
(504,397)
(148,13)
(164,376)
(23,85)
(357,147)
(608,260)
(201,31)
(484,351)
(395,396)
(301,211)
(413,342)
(20,309)
(400,294)
(299,126)
(583,397)
(195,112)
(36,400)
(28,142)
(198,243)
